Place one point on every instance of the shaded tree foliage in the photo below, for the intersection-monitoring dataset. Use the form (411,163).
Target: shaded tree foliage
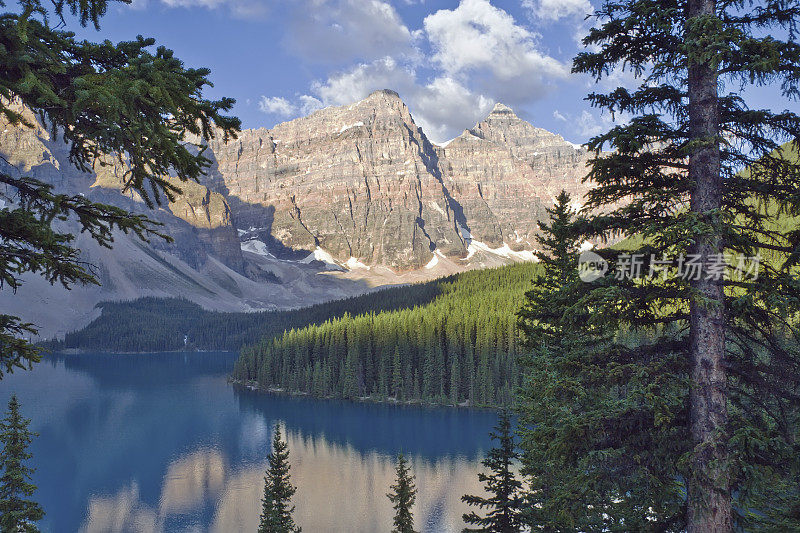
(679,383)
(122,103)
(402,497)
(164,324)
(276,506)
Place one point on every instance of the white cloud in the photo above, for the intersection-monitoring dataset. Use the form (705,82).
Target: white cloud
(479,55)
(485,43)
(445,108)
(309,104)
(283,108)
(337,31)
(559,116)
(238,8)
(356,83)
(588,125)
(558,9)
(442,107)
(277,106)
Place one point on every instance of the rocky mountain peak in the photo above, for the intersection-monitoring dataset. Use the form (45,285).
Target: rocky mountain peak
(381,110)
(385,93)
(502,109)
(556,164)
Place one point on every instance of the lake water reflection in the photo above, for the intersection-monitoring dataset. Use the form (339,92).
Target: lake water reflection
(161,442)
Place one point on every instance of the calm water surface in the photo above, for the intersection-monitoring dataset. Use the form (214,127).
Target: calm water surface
(161,442)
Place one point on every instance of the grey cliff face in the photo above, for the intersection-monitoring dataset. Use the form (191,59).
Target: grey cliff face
(556,164)
(199,220)
(358,181)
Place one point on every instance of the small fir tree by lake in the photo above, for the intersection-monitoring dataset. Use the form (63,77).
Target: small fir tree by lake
(277,508)
(17,511)
(402,497)
(505,502)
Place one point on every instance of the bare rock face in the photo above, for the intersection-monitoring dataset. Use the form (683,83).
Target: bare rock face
(359,181)
(199,221)
(499,194)
(556,164)
(364,182)
(205,263)
(356,191)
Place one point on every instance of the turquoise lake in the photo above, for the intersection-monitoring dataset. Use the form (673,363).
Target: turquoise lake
(162,442)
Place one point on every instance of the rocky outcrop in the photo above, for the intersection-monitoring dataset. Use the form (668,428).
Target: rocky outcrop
(498,193)
(199,220)
(359,181)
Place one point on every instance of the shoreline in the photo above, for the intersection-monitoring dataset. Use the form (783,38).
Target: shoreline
(80,351)
(254,387)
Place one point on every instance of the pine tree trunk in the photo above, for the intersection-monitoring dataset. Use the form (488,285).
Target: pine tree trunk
(709,498)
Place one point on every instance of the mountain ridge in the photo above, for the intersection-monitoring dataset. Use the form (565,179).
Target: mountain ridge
(326,206)
(379,170)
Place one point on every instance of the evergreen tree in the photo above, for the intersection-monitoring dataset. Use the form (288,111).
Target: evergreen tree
(541,315)
(681,411)
(573,397)
(123,103)
(397,376)
(277,509)
(505,504)
(402,497)
(17,514)
(455,377)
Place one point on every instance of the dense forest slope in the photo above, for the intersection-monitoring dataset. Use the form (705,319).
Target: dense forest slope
(460,348)
(167,324)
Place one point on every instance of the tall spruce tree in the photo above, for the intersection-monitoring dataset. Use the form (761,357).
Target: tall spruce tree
(506,503)
(277,508)
(541,315)
(562,405)
(119,103)
(402,497)
(699,385)
(17,512)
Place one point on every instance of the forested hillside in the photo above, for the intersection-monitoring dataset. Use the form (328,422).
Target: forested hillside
(461,347)
(164,324)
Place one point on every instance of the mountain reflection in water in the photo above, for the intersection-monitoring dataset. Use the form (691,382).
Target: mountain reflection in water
(161,442)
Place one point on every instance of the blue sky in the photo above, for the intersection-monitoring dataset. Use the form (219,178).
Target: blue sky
(450,60)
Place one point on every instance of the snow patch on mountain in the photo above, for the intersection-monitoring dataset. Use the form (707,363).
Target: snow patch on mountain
(504,251)
(351,126)
(353,263)
(321,255)
(433,262)
(437,208)
(254,246)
